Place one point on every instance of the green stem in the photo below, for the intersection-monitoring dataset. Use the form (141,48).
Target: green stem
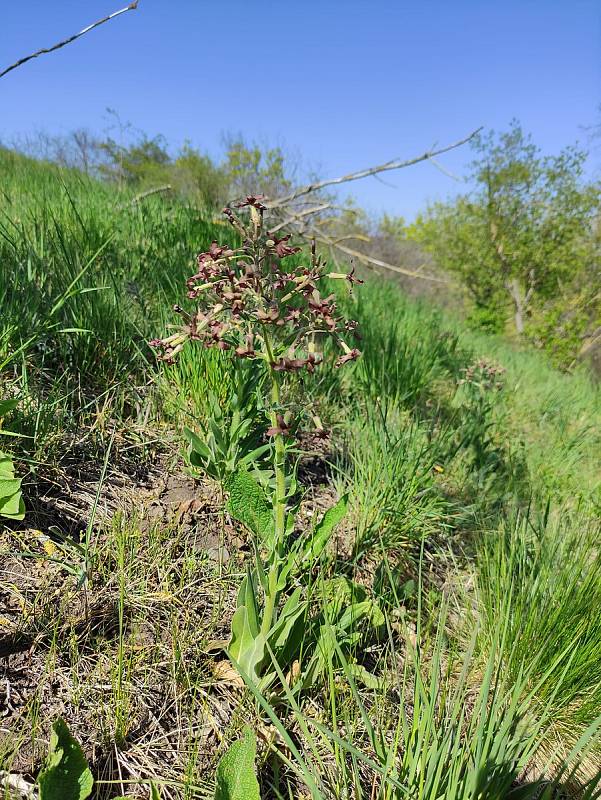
(279,469)
(279,465)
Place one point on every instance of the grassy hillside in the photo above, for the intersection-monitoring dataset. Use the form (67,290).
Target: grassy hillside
(473,475)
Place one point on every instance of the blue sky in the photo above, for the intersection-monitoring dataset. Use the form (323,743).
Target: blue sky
(345,84)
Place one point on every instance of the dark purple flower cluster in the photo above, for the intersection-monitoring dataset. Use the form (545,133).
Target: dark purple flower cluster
(487,375)
(252,303)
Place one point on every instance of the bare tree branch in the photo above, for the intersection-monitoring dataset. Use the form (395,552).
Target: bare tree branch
(444,170)
(308,231)
(131,7)
(300,214)
(366,173)
(375,262)
(289,211)
(143,195)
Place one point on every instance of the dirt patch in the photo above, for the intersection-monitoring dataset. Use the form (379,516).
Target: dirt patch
(127,652)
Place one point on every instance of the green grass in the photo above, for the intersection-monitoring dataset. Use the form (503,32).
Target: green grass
(557,416)
(474,521)
(541,573)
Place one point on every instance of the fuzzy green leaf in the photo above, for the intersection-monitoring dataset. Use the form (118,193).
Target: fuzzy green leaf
(249,505)
(13,507)
(358,611)
(9,487)
(66,774)
(363,676)
(340,592)
(236,778)
(247,650)
(286,636)
(254,455)
(247,597)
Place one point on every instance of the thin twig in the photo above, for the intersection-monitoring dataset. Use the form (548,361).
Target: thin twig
(376,262)
(321,237)
(445,171)
(365,173)
(143,195)
(298,215)
(288,208)
(131,7)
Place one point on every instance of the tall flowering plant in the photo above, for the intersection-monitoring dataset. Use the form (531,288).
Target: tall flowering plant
(257,303)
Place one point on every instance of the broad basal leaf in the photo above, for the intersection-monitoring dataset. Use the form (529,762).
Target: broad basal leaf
(199,451)
(247,650)
(11,501)
(8,405)
(66,774)
(7,469)
(236,778)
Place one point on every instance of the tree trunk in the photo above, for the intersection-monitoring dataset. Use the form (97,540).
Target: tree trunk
(519,302)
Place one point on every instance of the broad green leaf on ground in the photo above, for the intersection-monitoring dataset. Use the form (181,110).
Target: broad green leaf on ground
(358,611)
(293,608)
(13,507)
(8,405)
(236,778)
(11,501)
(66,774)
(368,679)
(249,505)
(339,592)
(7,470)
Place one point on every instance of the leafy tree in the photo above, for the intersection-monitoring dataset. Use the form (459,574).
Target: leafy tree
(146,161)
(251,169)
(195,176)
(393,227)
(523,240)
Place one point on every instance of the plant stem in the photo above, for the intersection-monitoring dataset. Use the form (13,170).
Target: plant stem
(279,469)
(279,503)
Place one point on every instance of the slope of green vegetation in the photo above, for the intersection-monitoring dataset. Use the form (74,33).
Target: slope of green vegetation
(473,478)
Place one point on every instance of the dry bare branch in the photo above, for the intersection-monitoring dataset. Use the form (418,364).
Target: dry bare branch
(445,171)
(366,173)
(313,231)
(148,193)
(375,262)
(131,7)
(294,217)
(299,214)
